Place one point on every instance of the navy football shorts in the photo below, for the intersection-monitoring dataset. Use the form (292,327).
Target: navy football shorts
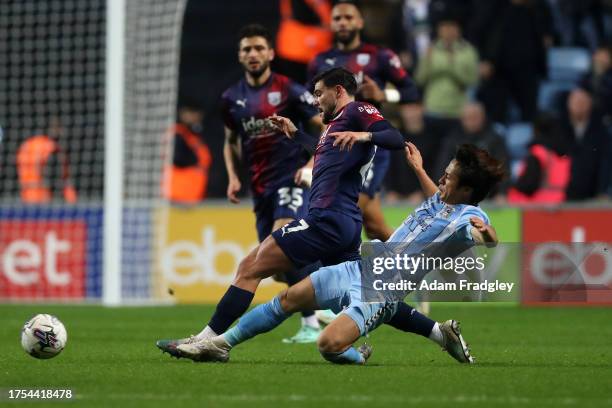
(284,202)
(323,235)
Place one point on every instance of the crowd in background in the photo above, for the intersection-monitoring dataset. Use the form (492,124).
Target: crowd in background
(529,80)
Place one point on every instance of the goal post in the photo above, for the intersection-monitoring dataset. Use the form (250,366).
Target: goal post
(114,139)
(88,92)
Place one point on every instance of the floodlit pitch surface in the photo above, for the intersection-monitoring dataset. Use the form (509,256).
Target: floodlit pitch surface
(536,357)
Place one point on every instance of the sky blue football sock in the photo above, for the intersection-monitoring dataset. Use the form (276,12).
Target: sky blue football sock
(260,319)
(348,356)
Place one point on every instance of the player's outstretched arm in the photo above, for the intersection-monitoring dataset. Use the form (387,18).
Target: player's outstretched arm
(231,154)
(415,161)
(483,233)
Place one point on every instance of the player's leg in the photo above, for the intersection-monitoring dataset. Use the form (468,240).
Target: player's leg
(373,219)
(238,297)
(310,329)
(266,317)
(266,260)
(447,335)
(336,342)
(358,319)
(326,287)
(260,319)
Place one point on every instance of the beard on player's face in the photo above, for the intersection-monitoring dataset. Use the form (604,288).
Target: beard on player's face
(328,114)
(345,37)
(257,70)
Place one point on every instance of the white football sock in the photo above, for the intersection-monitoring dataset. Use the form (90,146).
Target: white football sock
(436,335)
(311,321)
(206,332)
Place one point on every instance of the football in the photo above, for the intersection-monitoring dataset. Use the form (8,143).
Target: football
(43,336)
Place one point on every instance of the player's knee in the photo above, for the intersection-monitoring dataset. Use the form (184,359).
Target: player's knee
(330,343)
(290,300)
(285,302)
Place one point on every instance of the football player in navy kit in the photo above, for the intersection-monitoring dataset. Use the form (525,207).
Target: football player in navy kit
(373,67)
(331,231)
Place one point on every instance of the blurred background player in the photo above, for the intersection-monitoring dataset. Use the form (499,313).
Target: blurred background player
(331,231)
(43,168)
(275,162)
(449,214)
(186,176)
(373,67)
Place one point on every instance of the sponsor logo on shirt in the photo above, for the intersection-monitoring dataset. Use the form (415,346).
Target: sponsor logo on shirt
(363,59)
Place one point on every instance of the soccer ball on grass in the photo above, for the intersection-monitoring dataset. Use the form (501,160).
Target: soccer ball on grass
(43,336)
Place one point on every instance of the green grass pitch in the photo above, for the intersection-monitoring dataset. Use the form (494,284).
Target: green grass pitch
(526,357)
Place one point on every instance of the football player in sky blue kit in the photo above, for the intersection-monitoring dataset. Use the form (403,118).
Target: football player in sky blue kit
(331,231)
(450,214)
(373,67)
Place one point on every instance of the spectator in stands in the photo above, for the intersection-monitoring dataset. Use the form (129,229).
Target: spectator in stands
(588,140)
(578,22)
(412,23)
(544,174)
(303,33)
(185,178)
(43,168)
(448,69)
(599,82)
(512,37)
(476,130)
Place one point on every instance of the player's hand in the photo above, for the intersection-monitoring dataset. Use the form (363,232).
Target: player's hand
(413,156)
(233,188)
(303,177)
(282,124)
(346,140)
(370,90)
(487,232)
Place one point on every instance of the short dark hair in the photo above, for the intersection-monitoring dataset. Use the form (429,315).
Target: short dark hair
(337,76)
(349,2)
(478,170)
(255,30)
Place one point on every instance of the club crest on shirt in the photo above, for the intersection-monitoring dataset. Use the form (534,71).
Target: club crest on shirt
(274,98)
(446,211)
(363,59)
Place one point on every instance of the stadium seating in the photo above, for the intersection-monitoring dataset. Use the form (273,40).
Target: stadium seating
(552,95)
(568,63)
